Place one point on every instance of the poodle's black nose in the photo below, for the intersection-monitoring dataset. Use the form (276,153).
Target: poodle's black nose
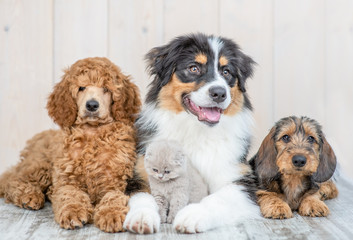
(92,105)
(299,160)
(218,94)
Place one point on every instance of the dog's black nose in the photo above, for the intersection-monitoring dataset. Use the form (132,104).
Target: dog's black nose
(92,105)
(218,93)
(299,160)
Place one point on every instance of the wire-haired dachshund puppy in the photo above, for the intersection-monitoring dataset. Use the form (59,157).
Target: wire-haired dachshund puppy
(293,166)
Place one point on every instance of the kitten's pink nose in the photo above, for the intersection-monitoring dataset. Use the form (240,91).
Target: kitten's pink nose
(160,176)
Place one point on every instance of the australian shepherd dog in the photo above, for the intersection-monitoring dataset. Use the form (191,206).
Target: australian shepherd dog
(198,98)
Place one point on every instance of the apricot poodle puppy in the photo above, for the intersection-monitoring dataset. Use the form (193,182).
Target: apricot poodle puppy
(84,167)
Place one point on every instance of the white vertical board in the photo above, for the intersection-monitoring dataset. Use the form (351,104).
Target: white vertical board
(250,24)
(299,58)
(339,77)
(25,73)
(184,17)
(80,31)
(134,28)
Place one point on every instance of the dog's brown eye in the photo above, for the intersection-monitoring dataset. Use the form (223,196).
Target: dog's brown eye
(311,139)
(194,69)
(286,138)
(105,90)
(81,89)
(225,72)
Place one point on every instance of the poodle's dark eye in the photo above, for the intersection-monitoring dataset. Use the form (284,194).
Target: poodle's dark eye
(80,89)
(311,139)
(155,170)
(285,138)
(105,90)
(194,69)
(166,172)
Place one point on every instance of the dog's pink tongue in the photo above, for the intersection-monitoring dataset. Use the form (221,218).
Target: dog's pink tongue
(209,114)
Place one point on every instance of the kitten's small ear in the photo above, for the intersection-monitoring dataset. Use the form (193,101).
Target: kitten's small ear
(147,156)
(179,158)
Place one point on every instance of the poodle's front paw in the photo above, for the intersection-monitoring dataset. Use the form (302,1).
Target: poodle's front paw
(110,220)
(194,218)
(73,216)
(142,221)
(31,201)
(313,208)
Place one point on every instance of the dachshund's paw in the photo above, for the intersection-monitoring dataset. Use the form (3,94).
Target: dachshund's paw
(194,218)
(279,210)
(73,216)
(313,207)
(142,221)
(109,219)
(31,201)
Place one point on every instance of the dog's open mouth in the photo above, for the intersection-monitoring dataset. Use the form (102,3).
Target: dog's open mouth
(205,114)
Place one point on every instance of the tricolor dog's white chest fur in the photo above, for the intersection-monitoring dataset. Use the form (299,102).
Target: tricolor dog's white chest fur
(215,151)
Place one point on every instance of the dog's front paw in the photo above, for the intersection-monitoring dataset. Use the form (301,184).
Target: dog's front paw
(109,219)
(31,201)
(313,207)
(73,216)
(142,221)
(279,210)
(194,218)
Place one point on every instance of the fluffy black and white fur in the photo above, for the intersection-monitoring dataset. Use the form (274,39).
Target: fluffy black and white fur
(198,98)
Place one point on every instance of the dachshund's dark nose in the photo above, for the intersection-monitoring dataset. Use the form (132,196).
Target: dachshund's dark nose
(218,93)
(92,105)
(299,160)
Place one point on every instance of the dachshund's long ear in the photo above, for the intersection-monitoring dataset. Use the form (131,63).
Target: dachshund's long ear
(61,106)
(265,159)
(327,163)
(127,101)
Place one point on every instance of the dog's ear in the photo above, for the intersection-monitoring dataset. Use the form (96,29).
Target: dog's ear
(161,63)
(126,98)
(61,106)
(245,66)
(265,160)
(327,163)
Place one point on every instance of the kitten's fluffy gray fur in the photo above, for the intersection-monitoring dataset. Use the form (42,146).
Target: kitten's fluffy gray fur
(173,181)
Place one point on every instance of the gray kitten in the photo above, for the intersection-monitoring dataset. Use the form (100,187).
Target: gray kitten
(173,181)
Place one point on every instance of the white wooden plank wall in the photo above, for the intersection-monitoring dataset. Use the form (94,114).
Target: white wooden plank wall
(303,50)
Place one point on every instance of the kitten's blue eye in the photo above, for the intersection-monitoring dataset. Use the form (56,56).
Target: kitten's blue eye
(166,172)
(155,170)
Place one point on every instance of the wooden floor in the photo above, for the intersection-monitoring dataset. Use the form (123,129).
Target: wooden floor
(16,223)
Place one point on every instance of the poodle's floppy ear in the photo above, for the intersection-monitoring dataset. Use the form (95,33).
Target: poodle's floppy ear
(126,102)
(265,159)
(61,106)
(327,163)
